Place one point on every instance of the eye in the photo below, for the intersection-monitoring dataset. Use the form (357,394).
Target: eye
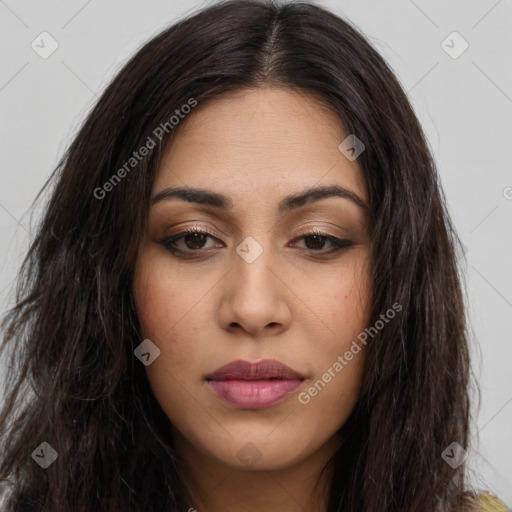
(317,240)
(194,240)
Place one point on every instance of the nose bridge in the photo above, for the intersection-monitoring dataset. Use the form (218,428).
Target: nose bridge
(254,294)
(254,258)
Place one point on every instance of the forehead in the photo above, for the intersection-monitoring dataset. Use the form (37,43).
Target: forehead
(261,142)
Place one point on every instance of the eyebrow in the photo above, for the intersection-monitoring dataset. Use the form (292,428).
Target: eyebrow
(223,202)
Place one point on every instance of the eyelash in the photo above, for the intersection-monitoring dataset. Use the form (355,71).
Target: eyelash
(170,242)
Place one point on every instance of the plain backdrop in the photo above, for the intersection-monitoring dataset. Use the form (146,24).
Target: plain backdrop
(463,100)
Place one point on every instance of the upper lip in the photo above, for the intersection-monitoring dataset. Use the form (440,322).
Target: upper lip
(245,370)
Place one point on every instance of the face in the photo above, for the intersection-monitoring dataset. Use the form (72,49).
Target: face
(268,275)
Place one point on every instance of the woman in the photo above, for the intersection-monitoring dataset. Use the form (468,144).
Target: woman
(243,294)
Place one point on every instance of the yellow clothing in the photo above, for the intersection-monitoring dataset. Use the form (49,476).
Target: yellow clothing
(487,502)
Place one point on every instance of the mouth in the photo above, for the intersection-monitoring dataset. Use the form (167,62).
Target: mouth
(255,385)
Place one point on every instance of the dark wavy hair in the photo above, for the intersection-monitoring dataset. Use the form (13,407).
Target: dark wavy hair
(73,380)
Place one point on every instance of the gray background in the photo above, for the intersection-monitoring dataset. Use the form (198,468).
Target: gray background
(464,104)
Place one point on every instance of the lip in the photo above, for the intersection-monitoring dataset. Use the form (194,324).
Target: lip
(255,385)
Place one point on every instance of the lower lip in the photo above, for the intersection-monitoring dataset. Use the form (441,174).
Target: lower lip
(254,394)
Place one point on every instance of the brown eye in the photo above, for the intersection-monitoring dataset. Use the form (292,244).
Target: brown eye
(195,240)
(187,242)
(315,242)
(318,241)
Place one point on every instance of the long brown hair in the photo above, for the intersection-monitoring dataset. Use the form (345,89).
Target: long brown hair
(73,380)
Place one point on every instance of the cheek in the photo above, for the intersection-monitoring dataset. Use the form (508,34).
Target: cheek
(331,395)
(167,302)
(175,314)
(161,303)
(340,354)
(345,305)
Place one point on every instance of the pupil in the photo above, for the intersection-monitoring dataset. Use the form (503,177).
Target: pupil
(318,238)
(196,238)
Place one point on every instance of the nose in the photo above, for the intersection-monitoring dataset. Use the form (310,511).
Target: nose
(255,297)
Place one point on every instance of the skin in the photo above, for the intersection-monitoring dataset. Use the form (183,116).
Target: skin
(295,303)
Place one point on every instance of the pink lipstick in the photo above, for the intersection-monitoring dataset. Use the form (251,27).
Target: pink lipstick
(254,385)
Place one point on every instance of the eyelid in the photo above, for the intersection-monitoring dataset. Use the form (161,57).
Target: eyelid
(306,231)
(195,228)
